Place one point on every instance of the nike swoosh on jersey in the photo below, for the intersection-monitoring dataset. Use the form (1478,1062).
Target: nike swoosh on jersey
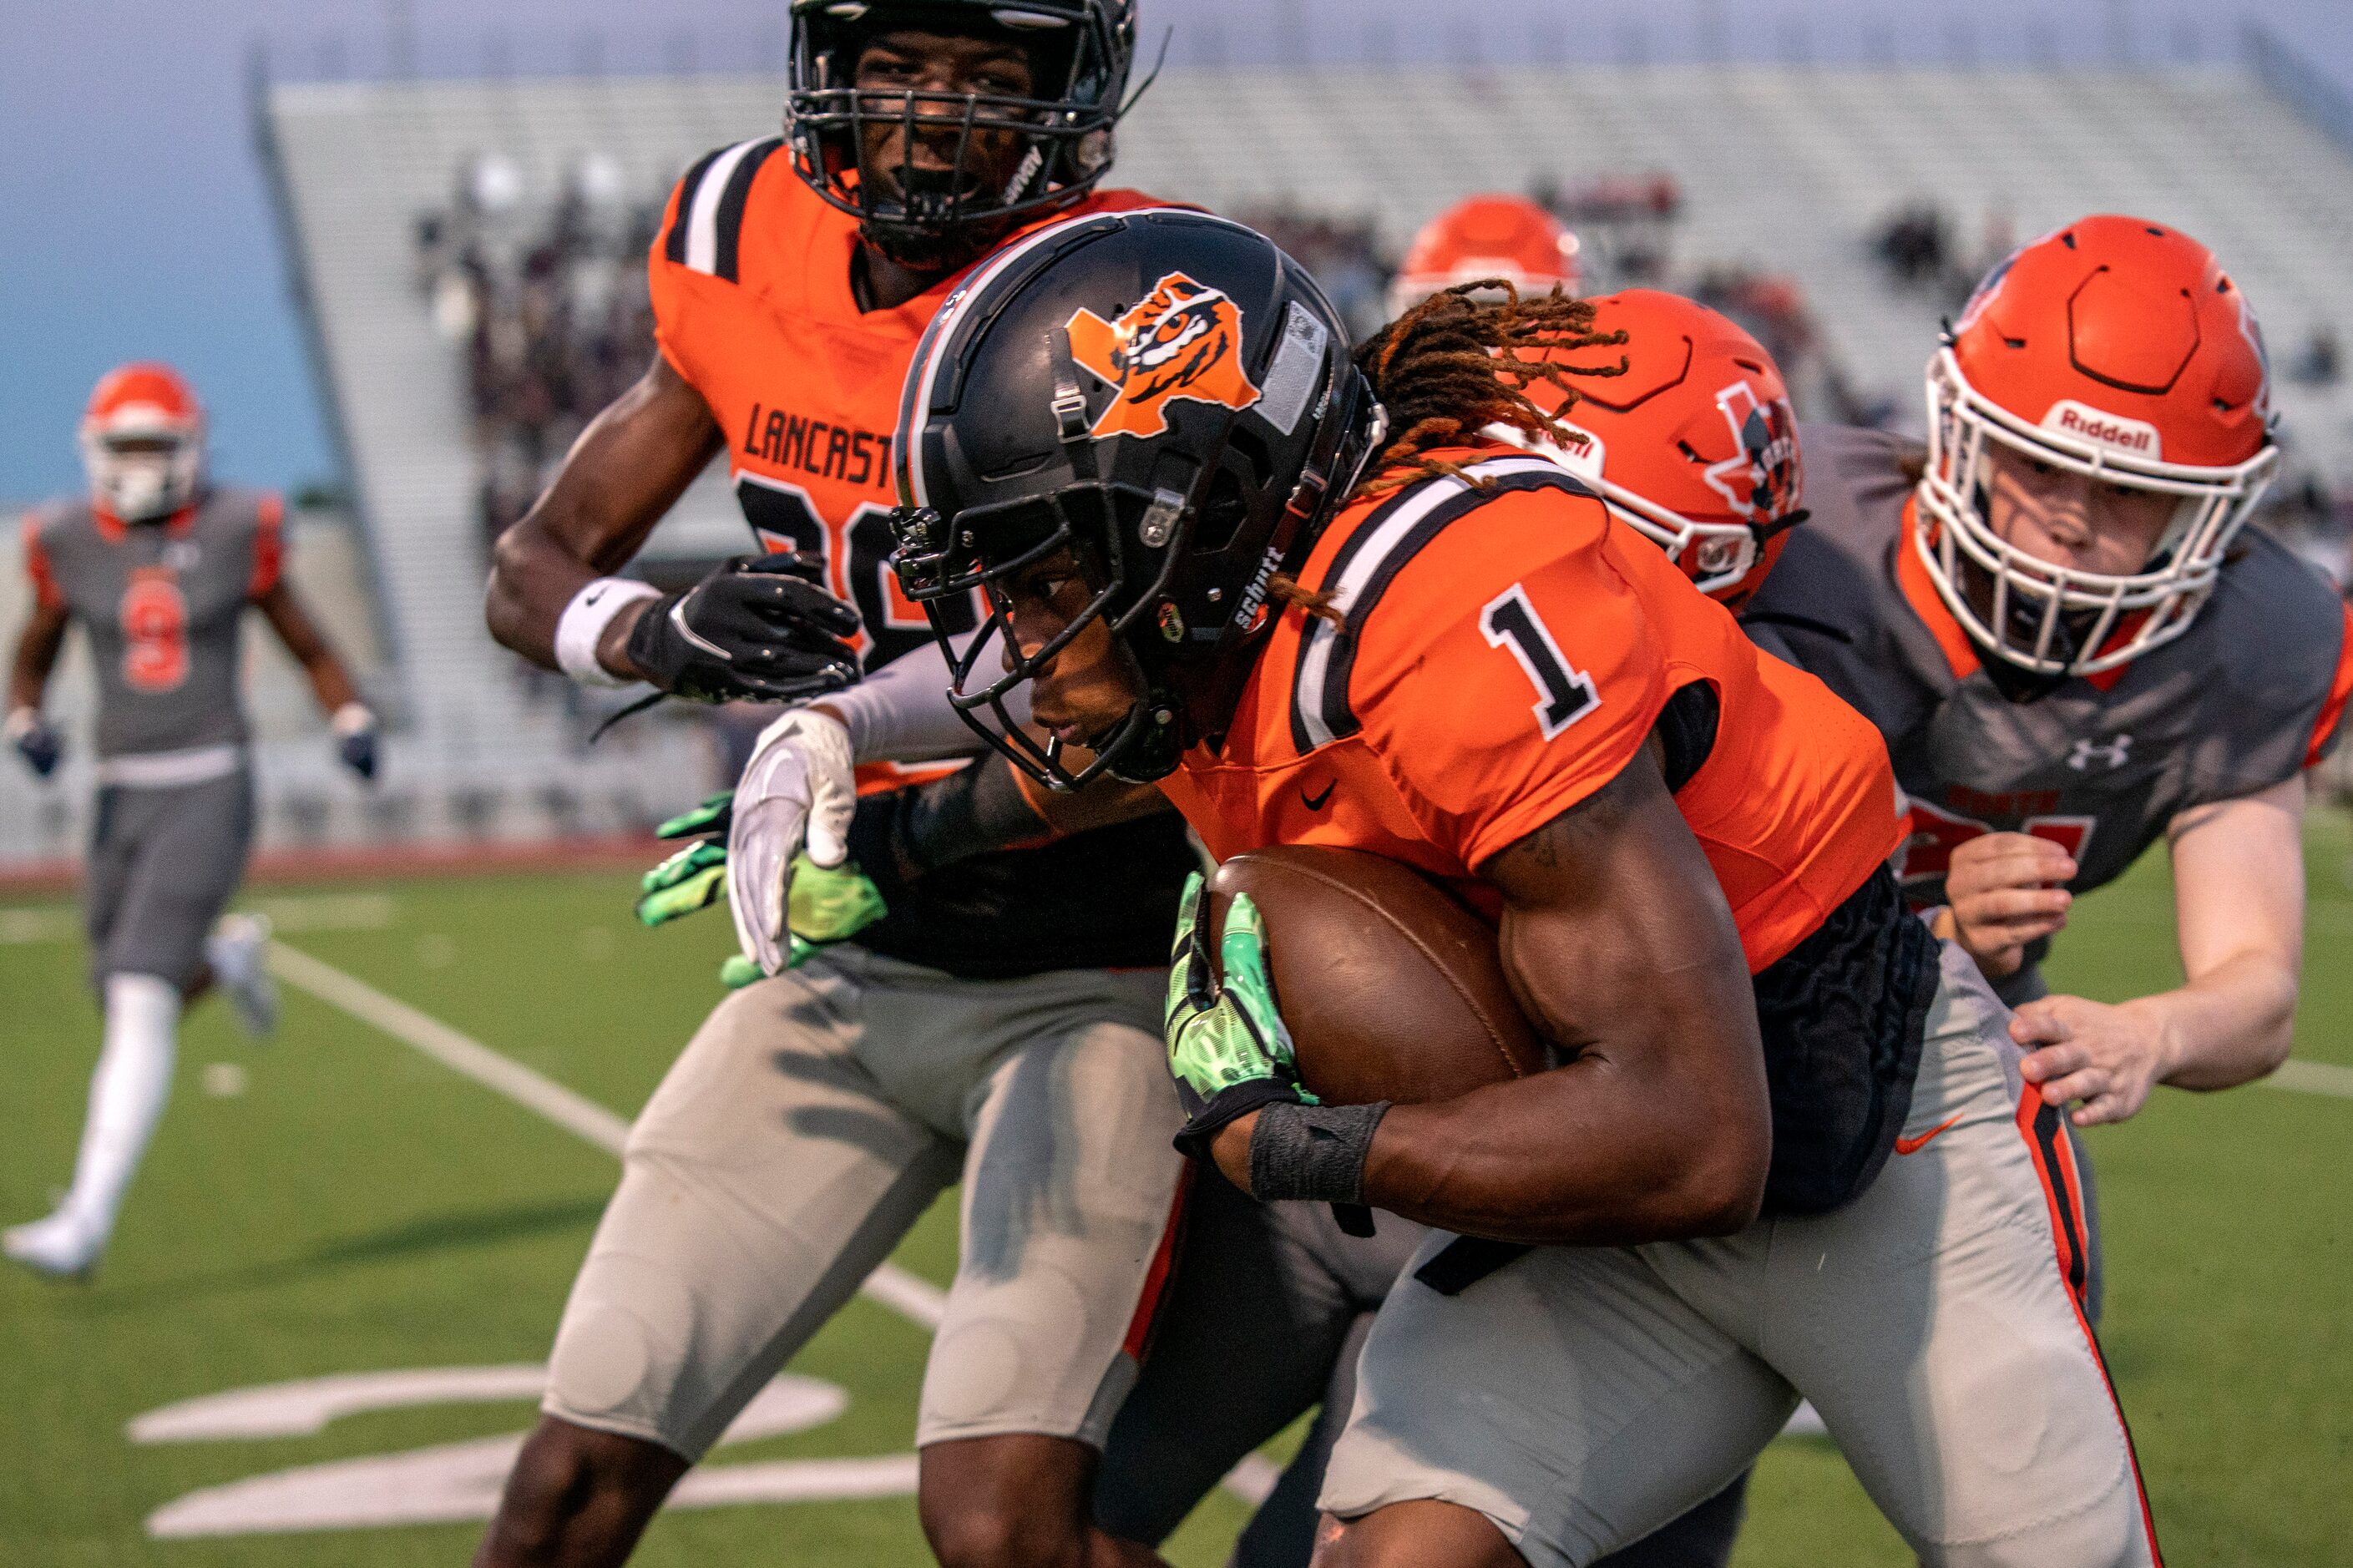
(1317,803)
(1913,1145)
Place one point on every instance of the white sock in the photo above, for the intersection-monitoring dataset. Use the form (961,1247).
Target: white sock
(127,1094)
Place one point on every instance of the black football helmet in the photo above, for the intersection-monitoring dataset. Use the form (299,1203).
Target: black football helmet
(1169,397)
(1083,49)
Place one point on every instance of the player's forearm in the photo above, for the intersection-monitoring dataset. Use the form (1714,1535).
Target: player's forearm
(623,475)
(1589,1154)
(2229,1026)
(330,683)
(36,656)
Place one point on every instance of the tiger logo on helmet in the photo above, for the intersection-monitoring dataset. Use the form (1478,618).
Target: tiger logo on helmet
(1184,342)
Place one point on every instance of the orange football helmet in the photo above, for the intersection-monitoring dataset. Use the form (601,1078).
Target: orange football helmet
(2116,349)
(1509,237)
(1694,447)
(142,443)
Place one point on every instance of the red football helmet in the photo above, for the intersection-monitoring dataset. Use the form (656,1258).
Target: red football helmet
(1509,237)
(2119,349)
(142,443)
(1694,447)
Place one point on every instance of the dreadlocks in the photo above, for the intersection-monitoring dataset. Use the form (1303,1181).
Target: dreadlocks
(1454,365)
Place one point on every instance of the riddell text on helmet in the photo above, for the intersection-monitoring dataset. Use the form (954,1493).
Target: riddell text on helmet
(2124,435)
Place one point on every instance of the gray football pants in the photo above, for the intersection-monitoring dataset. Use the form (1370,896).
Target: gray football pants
(163,863)
(1580,1397)
(809,1123)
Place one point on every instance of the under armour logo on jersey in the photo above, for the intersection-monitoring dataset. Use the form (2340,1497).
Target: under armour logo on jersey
(2116,753)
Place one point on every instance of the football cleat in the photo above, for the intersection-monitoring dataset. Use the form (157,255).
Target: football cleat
(60,1247)
(238,950)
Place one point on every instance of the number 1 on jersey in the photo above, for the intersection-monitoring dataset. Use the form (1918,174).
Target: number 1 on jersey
(1565,694)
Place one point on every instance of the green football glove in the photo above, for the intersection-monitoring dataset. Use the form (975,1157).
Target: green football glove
(696,876)
(1227,1048)
(824,906)
(827,907)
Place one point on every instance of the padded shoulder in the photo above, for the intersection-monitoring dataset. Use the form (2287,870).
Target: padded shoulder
(1378,549)
(703,230)
(2275,627)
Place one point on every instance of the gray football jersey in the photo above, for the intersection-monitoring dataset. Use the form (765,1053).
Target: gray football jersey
(2243,702)
(161,604)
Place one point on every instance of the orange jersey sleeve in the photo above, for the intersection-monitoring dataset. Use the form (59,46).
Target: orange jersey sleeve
(1510,670)
(2328,728)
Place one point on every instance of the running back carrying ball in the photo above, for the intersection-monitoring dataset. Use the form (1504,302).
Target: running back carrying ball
(1391,989)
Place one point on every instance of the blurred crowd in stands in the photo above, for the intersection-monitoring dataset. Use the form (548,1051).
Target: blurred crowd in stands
(1920,247)
(547,297)
(549,301)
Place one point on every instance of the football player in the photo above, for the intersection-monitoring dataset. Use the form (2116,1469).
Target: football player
(2076,649)
(1788,1149)
(158,566)
(1692,445)
(816,1115)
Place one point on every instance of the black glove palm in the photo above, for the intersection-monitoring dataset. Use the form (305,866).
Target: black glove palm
(358,752)
(41,747)
(759,627)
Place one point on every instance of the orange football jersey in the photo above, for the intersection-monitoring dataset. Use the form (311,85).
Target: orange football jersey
(1503,654)
(750,277)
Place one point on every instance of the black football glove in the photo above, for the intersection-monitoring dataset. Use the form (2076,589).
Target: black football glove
(759,627)
(357,753)
(36,740)
(355,740)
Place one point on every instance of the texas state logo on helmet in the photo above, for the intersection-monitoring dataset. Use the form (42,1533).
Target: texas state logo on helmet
(1167,397)
(1184,341)
(2120,350)
(142,443)
(1695,445)
(1510,237)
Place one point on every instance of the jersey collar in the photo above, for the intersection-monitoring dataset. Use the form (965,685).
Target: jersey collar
(114,530)
(1920,592)
(1960,653)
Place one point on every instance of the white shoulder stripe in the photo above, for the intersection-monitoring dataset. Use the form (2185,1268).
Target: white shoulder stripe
(703,219)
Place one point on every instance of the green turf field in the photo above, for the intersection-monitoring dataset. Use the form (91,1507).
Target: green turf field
(337,1204)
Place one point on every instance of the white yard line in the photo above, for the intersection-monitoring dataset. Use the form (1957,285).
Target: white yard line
(917,1300)
(2314,1077)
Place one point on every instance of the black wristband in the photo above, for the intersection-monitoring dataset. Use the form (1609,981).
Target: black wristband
(1312,1153)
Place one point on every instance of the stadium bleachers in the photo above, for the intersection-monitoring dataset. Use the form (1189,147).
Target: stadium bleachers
(1786,170)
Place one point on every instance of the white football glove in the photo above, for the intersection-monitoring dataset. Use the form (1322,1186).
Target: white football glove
(798,793)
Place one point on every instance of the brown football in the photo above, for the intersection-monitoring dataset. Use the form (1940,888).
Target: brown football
(1391,988)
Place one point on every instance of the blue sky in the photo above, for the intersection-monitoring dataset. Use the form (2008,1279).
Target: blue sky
(136,224)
